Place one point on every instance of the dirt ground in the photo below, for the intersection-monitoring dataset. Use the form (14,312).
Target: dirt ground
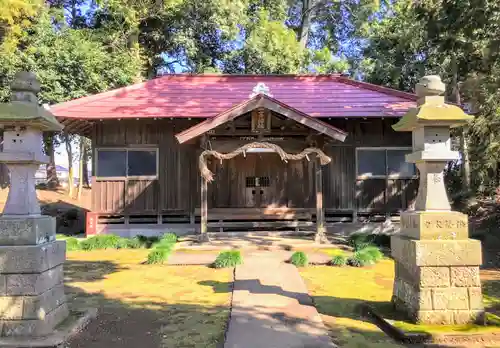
(70,212)
(53,197)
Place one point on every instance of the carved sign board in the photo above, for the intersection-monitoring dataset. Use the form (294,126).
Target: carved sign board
(261,121)
(435,225)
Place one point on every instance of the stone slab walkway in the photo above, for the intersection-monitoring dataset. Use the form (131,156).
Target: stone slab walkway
(271,307)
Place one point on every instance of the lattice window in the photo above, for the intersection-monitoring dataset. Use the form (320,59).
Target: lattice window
(250,181)
(264,181)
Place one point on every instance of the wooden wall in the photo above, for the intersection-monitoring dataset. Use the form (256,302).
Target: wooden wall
(178,171)
(343,191)
(292,182)
(178,185)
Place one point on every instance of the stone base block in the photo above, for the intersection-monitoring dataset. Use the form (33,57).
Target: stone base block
(32,300)
(441,277)
(32,258)
(71,326)
(447,317)
(31,284)
(35,327)
(413,252)
(32,307)
(434,295)
(426,225)
(31,230)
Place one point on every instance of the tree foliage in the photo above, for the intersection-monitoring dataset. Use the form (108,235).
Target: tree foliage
(81,47)
(459,40)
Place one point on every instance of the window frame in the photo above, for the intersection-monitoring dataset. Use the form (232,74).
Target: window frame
(127,177)
(386,149)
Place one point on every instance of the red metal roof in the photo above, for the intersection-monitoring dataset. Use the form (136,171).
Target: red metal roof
(183,95)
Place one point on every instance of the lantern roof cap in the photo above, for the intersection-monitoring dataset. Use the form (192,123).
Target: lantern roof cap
(24,110)
(431,108)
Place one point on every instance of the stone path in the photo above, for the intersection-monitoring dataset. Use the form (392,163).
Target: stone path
(271,307)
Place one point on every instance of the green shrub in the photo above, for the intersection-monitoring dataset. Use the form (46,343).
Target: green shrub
(374,252)
(135,243)
(164,244)
(228,259)
(109,241)
(104,241)
(360,259)
(158,256)
(170,237)
(147,242)
(122,243)
(362,240)
(359,241)
(72,244)
(162,248)
(339,260)
(299,259)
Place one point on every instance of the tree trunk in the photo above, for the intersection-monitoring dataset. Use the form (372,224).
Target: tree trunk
(305,22)
(464,148)
(86,181)
(82,160)
(73,14)
(69,152)
(52,180)
(465,156)
(465,172)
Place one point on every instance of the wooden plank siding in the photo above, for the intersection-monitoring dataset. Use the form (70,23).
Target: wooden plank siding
(293,184)
(177,169)
(339,178)
(343,191)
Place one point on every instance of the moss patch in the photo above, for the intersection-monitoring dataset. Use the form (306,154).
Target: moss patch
(148,305)
(337,292)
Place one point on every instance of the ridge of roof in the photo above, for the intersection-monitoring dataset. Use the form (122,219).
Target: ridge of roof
(335,77)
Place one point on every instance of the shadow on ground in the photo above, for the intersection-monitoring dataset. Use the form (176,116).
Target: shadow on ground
(130,322)
(338,313)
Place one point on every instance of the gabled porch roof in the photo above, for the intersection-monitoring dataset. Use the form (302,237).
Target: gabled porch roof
(261,101)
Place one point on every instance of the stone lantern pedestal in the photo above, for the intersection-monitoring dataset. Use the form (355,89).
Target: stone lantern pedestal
(32,299)
(437,266)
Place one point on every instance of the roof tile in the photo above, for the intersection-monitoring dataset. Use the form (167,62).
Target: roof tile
(206,96)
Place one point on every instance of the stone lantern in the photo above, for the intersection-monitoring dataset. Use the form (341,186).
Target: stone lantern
(436,265)
(32,300)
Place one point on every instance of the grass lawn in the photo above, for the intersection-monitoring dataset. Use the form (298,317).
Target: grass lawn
(146,305)
(337,291)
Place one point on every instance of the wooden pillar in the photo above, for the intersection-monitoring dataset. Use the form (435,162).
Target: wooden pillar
(204,198)
(320,211)
(204,210)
